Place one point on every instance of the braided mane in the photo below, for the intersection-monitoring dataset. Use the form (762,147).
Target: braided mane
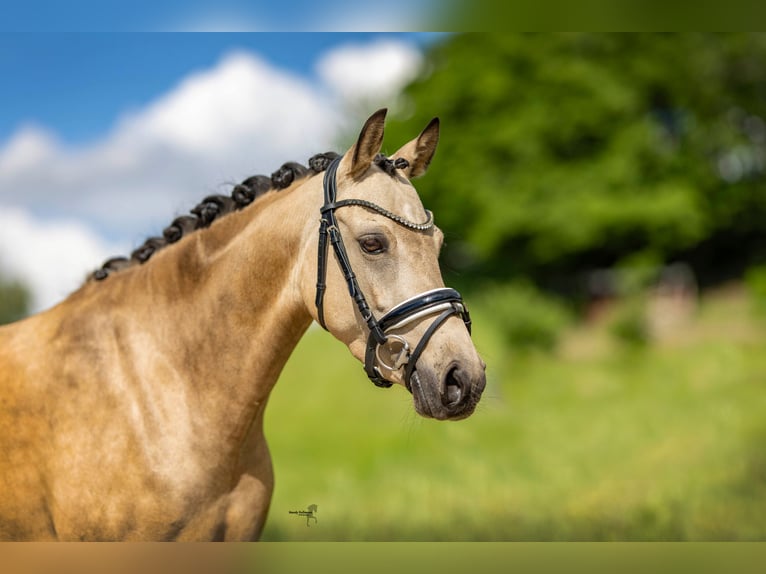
(214,206)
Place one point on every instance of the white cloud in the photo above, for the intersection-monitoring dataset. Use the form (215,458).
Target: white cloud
(215,21)
(242,101)
(51,258)
(68,205)
(218,125)
(331,16)
(32,146)
(373,73)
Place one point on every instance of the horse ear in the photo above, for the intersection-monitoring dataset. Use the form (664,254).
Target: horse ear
(420,151)
(358,159)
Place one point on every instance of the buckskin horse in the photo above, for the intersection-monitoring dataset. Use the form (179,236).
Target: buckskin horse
(133,410)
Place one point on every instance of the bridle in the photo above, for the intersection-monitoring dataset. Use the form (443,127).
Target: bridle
(444,301)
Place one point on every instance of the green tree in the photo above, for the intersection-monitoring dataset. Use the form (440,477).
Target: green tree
(14,301)
(562,153)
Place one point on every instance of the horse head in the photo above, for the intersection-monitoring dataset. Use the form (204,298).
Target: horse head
(385,298)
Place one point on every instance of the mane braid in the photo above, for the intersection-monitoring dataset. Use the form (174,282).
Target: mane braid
(242,194)
(214,206)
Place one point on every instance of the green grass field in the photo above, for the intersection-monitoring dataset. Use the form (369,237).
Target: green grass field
(595,442)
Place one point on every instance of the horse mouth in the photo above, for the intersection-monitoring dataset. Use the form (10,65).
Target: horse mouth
(445,400)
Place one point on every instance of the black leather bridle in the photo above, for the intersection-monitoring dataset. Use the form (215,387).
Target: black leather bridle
(444,301)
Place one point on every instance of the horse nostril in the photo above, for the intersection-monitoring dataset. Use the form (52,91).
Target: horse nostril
(453,388)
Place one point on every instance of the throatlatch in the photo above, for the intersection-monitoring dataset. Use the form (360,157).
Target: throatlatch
(444,301)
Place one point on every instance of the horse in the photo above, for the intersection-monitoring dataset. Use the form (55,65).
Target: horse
(134,408)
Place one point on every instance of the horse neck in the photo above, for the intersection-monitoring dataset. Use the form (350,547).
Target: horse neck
(221,310)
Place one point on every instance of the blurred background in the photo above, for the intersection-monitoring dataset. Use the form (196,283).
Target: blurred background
(603,198)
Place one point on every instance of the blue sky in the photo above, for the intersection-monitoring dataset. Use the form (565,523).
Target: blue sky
(105,137)
(221,15)
(77,84)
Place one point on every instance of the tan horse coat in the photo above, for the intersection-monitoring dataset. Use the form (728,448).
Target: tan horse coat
(134,408)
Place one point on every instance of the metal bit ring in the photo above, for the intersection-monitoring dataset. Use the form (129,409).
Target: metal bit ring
(401,357)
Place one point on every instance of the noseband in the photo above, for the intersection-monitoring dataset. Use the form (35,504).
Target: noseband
(444,301)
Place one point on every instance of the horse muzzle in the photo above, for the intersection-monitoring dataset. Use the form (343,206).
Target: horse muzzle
(451,395)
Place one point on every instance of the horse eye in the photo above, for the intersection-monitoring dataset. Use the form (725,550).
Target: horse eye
(373,244)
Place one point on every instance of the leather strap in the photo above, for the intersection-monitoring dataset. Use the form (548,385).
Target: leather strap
(453,310)
(329,226)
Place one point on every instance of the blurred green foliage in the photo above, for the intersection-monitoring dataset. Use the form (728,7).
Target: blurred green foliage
(14,301)
(755,279)
(525,318)
(564,153)
(625,15)
(630,326)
